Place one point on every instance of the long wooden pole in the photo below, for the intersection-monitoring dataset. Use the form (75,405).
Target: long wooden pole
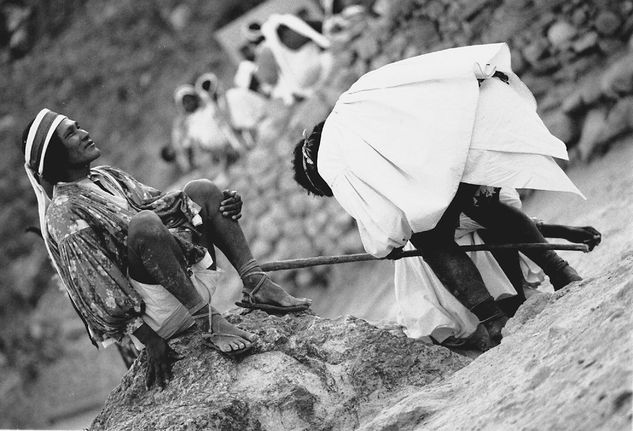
(361,257)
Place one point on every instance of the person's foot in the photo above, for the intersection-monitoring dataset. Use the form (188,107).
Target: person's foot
(494,326)
(228,338)
(563,277)
(480,339)
(269,292)
(220,325)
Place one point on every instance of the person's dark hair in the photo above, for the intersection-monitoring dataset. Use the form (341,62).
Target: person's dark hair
(306,173)
(54,159)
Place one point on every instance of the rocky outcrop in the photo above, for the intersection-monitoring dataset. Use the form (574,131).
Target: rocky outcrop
(306,373)
(564,364)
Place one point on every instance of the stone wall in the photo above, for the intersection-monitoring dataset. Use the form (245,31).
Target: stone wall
(576,56)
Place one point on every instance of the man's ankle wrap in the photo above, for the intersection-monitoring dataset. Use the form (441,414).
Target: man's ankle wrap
(486,310)
(248,267)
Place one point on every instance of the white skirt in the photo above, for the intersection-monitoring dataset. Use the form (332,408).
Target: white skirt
(163,312)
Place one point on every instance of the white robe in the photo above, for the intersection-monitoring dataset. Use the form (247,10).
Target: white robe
(299,70)
(426,309)
(398,143)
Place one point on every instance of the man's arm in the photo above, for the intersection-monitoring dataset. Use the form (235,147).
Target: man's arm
(580,235)
(160,357)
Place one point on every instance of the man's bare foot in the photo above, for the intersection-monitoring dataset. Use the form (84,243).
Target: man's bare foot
(480,339)
(220,325)
(494,327)
(226,337)
(269,292)
(563,277)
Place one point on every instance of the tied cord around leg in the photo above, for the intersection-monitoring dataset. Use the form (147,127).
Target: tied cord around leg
(249,267)
(486,310)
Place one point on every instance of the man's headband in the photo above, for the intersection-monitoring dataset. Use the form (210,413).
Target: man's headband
(38,138)
(308,159)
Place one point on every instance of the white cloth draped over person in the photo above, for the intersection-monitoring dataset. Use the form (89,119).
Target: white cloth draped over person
(427,309)
(211,124)
(301,70)
(246,107)
(398,143)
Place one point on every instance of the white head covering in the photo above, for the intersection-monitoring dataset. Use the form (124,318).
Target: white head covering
(38,138)
(211,80)
(179,94)
(252,31)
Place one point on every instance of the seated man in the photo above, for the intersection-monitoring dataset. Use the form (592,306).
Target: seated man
(412,145)
(135,261)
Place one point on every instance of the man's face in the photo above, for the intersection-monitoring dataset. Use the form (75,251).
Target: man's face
(81,149)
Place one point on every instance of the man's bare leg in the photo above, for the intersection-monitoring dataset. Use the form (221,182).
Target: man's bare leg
(510,264)
(455,269)
(515,226)
(154,257)
(228,236)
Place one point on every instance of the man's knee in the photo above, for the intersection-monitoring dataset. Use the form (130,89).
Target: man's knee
(146,225)
(203,191)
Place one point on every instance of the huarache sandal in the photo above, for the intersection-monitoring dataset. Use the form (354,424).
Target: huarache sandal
(213,339)
(249,301)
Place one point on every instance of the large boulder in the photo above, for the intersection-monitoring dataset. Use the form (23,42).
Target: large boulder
(564,364)
(305,373)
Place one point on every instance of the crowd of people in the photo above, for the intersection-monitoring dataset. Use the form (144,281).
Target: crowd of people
(285,57)
(423,153)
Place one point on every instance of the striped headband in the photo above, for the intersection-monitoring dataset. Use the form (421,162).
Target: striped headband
(38,138)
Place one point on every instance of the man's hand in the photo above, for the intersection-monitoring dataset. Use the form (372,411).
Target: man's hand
(231,206)
(160,358)
(584,235)
(395,254)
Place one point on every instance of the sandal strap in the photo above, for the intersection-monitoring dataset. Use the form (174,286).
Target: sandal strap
(259,284)
(222,334)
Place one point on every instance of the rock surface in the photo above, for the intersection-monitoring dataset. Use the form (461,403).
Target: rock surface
(306,373)
(564,364)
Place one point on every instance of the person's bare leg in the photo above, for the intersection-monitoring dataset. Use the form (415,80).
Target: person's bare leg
(458,274)
(515,226)
(455,269)
(228,236)
(154,257)
(510,264)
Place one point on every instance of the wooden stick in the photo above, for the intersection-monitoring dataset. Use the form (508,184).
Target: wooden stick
(361,257)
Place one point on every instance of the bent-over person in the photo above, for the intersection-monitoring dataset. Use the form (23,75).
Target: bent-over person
(412,145)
